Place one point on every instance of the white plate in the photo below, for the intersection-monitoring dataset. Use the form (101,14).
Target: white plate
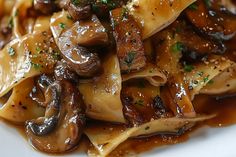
(205,142)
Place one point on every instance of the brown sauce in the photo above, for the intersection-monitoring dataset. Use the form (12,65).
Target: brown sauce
(224,108)
(226,115)
(141,145)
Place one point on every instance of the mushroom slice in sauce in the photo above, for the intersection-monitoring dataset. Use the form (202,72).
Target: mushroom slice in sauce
(142,104)
(48,123)
(63,4)
(195,41)
(64,72)
(83,33)
(130,48)
(81,60)
(44,6)
(79,10)
(88,32)
(210,18)
(61,128)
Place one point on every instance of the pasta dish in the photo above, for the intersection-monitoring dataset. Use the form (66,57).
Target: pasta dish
(112,71)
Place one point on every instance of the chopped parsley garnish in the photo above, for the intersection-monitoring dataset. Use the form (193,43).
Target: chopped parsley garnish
(151,70)
(188,67)
(38,50)
(141,84)
(177,47)
(95,8)
(11,51)
(139,102)
(69,17)
(36,65)
(105,1)
(205,79)
(124,13)
(10,23)
(76,2)
(56,55)
(210,82)
(16,12)
(62,25)
(208,3)
(129,58)
(110,3)
(193,6)
(200,73)
(178,29)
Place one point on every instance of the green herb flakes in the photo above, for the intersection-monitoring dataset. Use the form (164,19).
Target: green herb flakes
(62,25)
(38,49)
(11,51)
(139,102)
(129,58)
(69,17)
(210,82)
(193,6)
(76,2)
(36,66)
(188,68)
(124,13)
(16,12)
(205,79)
(208,3)
(10,23)
(177,47)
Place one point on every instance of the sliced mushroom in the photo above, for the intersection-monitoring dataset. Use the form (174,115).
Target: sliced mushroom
(63,4)
(83,33)
(195,41)
(61,128)
(48,123)
(130,48)
(64,72)
(89,32)
(141,105)
(131,114)
(82,61)
(44,6)
(79,10)
(210,18)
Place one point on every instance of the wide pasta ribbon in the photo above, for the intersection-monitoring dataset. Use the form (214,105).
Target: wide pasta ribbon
(28,56)
(106,138)
(154,15)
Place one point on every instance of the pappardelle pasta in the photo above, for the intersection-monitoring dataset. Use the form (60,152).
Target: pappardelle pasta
(72,68)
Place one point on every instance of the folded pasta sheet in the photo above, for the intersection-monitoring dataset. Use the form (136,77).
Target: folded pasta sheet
(102,94)
(204,73)
(151,73)
(155,15)
(223,83)
(19,11)
(106,138)
(176,92)
(20,107)
(25,57)
(57,21)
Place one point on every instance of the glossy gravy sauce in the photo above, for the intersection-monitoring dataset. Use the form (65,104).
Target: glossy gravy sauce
(226,115)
